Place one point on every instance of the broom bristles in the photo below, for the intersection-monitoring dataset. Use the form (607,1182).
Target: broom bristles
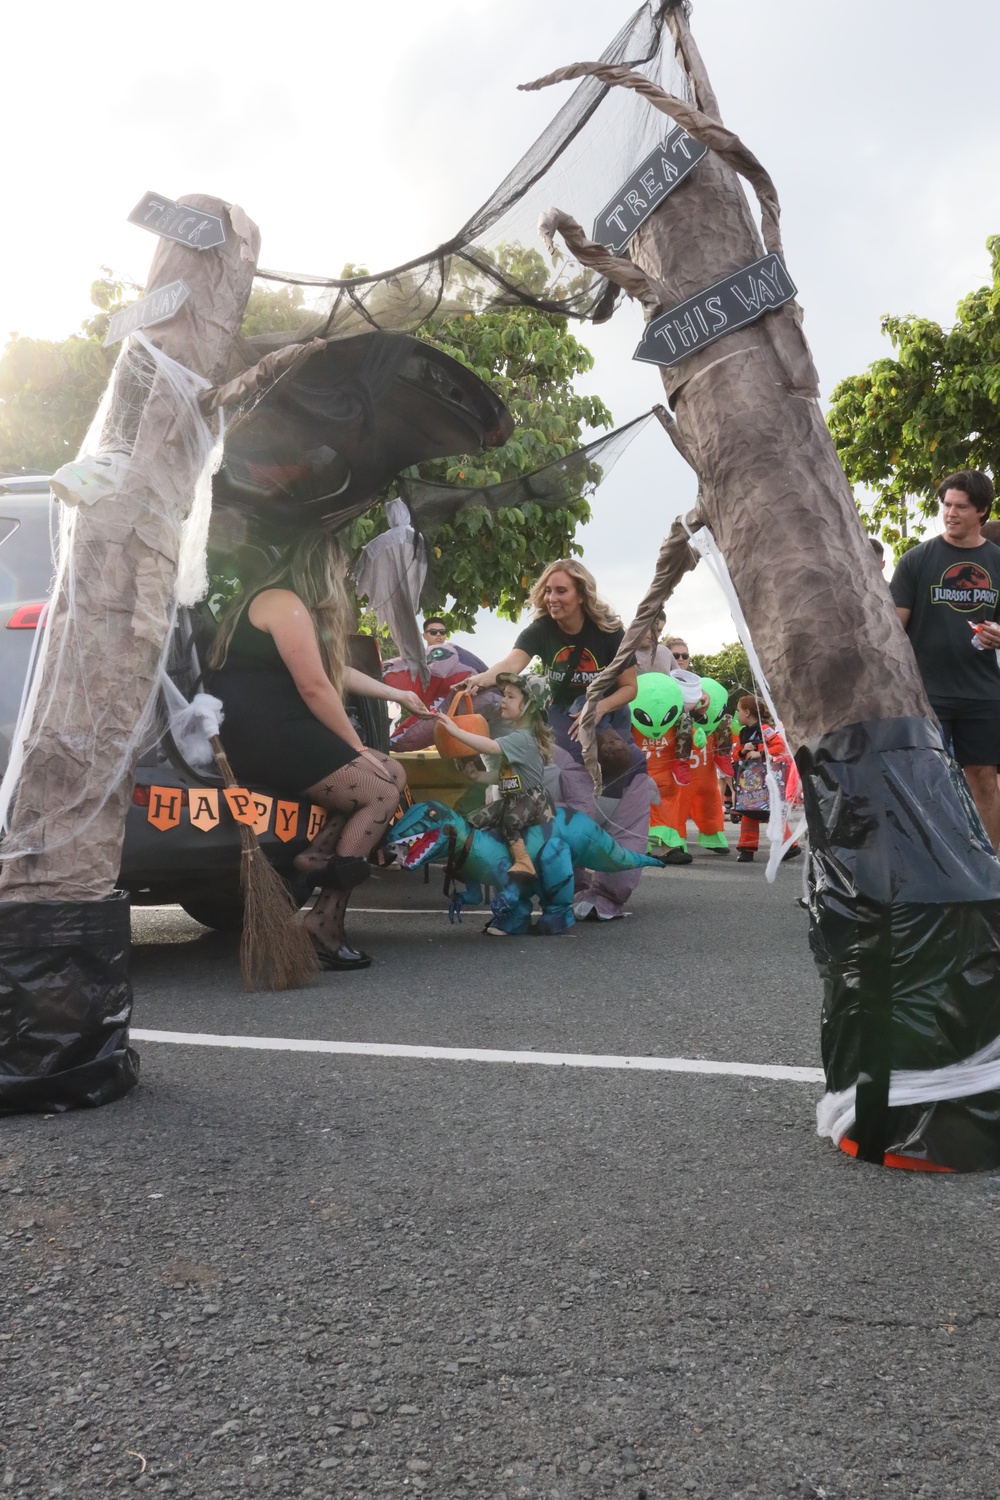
(276,952)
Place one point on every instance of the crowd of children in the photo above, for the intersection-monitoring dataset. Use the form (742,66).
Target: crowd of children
(707,763)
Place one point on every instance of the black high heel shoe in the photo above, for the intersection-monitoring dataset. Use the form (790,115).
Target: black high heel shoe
(342,957)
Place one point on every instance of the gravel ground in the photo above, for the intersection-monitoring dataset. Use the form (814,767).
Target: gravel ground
(327,1276)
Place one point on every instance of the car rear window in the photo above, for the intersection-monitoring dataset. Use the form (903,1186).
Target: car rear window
(26,565)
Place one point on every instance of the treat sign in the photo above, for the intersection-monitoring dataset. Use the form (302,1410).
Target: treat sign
(174,221)
(653,179)
(733,302)
(157,307)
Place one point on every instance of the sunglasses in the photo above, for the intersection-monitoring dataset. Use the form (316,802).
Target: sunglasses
(435,632)
(681,655)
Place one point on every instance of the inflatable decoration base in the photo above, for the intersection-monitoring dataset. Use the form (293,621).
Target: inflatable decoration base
(65,1005)
(905,905)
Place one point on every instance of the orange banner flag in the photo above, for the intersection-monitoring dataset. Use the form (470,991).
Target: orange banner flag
(286,821)
(203,808)
(240,803)
(165,806)
(317,817)
(262,807)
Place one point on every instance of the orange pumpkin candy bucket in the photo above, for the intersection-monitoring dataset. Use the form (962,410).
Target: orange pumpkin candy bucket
(460,709)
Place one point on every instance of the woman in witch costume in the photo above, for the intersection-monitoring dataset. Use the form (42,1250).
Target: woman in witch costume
(279,664)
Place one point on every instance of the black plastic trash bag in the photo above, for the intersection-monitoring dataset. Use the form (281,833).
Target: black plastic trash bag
(905,901)
(65,1005)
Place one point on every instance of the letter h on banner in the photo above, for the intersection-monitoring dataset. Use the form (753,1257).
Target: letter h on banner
(164,807)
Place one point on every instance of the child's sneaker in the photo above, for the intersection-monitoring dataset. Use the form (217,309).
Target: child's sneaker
(676,857)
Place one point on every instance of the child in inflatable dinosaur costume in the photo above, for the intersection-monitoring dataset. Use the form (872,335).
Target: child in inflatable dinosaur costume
(523,752)
(430,832)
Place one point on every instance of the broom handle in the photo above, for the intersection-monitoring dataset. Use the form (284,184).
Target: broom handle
(222,761)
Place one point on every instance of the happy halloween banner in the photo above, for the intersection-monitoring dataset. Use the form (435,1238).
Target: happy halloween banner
(259,812)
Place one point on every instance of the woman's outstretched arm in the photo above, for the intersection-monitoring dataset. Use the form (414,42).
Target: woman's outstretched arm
(515,661)
(370,687)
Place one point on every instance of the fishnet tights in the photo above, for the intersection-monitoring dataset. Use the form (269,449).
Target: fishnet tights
(362,804)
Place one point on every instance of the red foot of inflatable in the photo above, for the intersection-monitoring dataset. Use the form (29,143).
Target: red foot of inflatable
(905,1163)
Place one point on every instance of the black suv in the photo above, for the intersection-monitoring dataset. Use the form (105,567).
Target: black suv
(166,857)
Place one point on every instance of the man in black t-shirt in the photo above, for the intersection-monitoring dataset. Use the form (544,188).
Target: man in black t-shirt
(947,594)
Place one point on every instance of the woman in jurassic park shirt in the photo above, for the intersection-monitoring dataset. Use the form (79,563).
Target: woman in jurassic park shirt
(575,634)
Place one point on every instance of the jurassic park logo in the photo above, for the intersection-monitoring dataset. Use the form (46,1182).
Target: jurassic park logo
(586,667)
(965,587)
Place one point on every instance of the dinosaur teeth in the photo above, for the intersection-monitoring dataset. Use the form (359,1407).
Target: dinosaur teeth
(414,849)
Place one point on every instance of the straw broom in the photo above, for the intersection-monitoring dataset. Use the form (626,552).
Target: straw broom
(276,952)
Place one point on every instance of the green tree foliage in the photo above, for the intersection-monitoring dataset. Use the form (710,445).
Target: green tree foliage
(907,422)
(50,390)
(274,310)
(486,559)
(728,666)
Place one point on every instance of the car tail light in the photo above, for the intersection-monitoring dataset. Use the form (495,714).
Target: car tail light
(28,617)
(141,795)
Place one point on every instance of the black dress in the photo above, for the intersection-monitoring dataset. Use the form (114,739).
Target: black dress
(269,732)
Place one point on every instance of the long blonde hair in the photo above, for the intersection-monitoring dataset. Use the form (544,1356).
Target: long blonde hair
(544,738)
(593,605)
(314,568)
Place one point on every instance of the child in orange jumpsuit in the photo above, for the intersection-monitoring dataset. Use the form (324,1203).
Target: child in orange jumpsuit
(701,799)
(663,733)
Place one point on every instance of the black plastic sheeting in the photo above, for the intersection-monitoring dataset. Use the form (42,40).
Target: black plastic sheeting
(905,903)
(65,1005)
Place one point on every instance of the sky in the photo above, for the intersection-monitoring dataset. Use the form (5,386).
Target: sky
(371,133)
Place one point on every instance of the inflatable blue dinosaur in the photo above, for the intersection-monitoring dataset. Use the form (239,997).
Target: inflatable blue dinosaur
(432,833)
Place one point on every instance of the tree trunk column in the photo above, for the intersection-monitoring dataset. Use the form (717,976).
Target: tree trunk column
(904,890)
(113,609)
(773,492)
(65,997)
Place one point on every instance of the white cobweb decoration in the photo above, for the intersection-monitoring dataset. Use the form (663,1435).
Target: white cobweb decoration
(134,512)
(786,822)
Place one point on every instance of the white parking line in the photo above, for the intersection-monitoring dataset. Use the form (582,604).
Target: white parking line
(776,1071)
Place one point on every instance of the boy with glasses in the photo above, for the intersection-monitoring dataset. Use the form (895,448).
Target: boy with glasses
(435,631)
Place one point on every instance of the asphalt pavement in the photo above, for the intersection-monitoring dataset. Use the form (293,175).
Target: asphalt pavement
(322,1275)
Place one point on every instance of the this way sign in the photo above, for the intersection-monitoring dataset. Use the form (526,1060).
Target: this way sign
(156,307)
(736,300)
(188,226)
